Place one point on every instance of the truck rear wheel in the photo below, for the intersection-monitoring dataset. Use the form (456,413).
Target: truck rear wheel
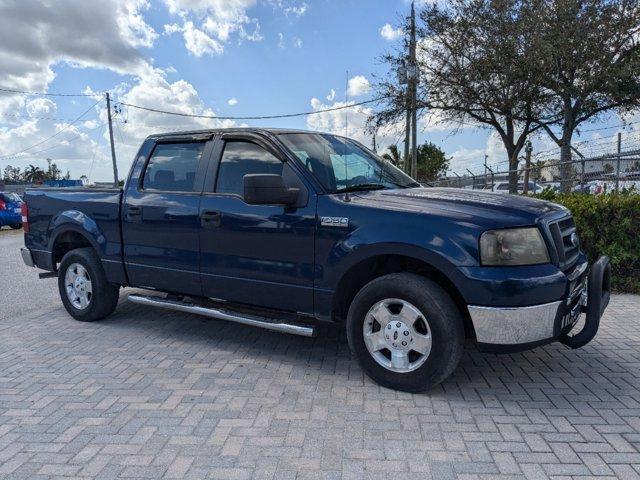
(406,332)
(83,285)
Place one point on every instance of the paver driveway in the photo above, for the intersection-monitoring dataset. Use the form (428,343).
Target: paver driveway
(150,393)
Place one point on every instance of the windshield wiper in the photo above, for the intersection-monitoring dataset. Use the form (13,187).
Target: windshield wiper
(362,187)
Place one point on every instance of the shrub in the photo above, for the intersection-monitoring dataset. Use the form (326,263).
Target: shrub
(608,225)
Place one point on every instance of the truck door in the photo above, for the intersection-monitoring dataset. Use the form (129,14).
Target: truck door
(161,216)
(260,255)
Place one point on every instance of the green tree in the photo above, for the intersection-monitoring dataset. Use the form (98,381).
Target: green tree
(393,155)
(34,174)
(432,162)
(607,168)
(53,172)
(587,61)
(12,174)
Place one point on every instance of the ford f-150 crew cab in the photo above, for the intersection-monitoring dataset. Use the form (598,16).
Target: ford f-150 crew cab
(284,229)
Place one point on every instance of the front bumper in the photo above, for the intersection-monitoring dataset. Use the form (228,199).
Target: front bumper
(519,328)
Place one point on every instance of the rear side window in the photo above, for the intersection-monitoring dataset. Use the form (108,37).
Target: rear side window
(172,167)
(240,159)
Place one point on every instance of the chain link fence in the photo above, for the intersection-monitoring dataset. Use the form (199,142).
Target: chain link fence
(594,175)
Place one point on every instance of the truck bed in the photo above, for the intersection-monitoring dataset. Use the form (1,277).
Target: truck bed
(91,212)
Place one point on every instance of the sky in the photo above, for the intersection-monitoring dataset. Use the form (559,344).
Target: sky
(214,58)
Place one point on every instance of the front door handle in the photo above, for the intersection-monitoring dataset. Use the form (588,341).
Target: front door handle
(210,219)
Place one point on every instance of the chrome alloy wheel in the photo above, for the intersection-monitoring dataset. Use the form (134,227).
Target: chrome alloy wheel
(397,335)
(78,286)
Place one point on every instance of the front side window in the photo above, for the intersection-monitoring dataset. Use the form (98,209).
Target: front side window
(340,164)
(240,159)
(172,167)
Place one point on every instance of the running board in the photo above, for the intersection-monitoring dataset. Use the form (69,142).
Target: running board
(255,321)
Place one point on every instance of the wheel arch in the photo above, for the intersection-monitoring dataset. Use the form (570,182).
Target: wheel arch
(374,266)
(71,230)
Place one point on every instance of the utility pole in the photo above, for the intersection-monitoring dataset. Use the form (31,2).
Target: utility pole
(413,88)
(618,161)
(113,148)
(527,166)
(375,147)
(486,157)
(408,75)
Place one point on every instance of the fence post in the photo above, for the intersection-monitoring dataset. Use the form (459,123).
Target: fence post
(527,166)
(618,161)
(473,179)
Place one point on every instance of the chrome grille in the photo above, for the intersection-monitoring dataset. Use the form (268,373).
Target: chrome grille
(565,239)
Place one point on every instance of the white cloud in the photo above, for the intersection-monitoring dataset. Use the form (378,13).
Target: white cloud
(297,42)
(389,33)
(232,101)
(35,35)
(358,85)
(332,95)
(74,146)
(281,41)
(352,121)
(154,90)
(199,43)
(208,24)
(463,158)
(132,24)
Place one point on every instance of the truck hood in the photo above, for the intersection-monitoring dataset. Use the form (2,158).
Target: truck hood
(473,206)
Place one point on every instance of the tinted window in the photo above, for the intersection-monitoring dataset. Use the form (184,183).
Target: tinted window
(173,167)
(240,159)
(503,186)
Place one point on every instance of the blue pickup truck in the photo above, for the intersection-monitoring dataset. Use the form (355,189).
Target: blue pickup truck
(286,229)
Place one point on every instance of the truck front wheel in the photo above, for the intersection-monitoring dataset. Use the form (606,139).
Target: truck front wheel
(83,285)
(406,332)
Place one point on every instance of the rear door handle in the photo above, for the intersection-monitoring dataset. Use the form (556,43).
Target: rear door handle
(210,219)
(134,214)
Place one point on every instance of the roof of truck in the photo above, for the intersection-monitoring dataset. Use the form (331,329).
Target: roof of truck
(212,131)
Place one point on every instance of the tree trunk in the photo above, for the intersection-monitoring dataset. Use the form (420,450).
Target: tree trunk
(565,166)
(513,170)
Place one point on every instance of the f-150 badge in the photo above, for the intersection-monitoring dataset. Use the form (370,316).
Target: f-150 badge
(334,221)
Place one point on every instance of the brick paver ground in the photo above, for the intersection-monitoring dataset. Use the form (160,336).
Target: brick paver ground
(149,394)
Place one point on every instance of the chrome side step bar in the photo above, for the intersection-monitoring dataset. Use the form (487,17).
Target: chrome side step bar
(245,319)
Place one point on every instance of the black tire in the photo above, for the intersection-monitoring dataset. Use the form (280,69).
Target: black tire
(17,226)
(104,296)
(444,321)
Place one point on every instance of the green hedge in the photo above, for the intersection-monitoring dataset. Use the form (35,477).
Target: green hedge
(608,225)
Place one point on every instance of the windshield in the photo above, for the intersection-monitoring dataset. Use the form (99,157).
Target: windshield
(13,197)
(342,165)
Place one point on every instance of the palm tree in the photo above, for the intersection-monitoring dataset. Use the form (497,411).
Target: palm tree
(393,155)
(33,174)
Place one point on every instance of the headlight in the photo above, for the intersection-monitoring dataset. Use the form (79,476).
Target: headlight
(513,246)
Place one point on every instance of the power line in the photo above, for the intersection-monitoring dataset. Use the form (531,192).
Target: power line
(95,150)
(54,135)
(257,117)
(46,94)
(57,145)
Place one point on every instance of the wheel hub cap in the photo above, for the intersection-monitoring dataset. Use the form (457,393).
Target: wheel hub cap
(397,335)
(78,286)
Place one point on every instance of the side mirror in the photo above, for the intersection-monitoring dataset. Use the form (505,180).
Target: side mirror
(268,189)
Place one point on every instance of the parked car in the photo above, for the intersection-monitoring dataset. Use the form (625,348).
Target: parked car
(10,210)
(503,187)
(286,229)
(591,187)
